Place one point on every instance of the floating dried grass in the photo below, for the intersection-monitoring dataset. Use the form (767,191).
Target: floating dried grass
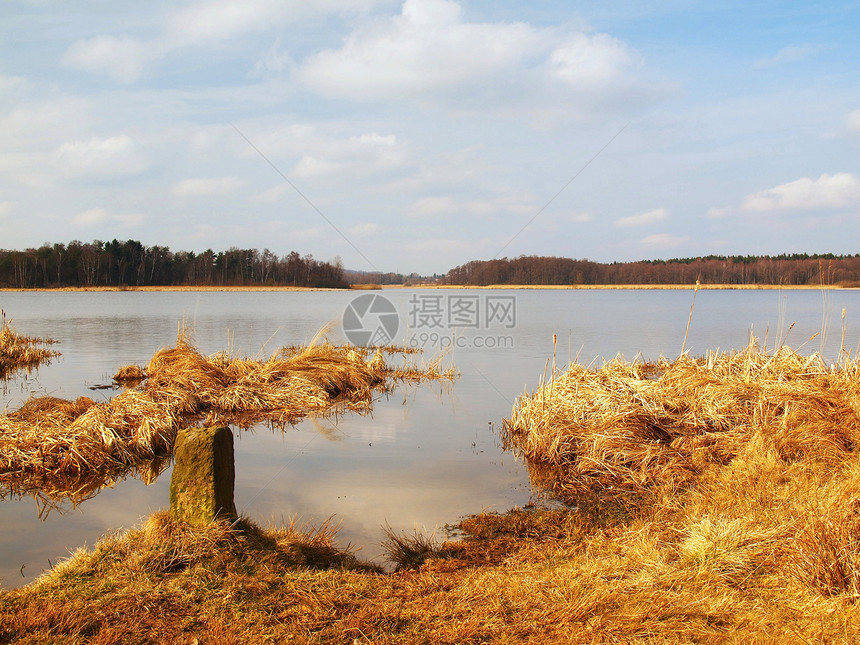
(51,441)
(19,352)
(130,374)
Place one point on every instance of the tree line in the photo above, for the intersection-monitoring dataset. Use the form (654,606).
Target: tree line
(787,269)
(130,263)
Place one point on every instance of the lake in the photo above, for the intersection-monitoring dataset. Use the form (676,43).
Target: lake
(428,454)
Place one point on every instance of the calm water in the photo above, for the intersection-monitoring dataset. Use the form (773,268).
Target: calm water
(427,455)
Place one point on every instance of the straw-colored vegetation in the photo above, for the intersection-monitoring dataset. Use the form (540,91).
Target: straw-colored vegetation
(628,428)
(19,352)
(542,576)
(737,469)
(70,449)
(717,500)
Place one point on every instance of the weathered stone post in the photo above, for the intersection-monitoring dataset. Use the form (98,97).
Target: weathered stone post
(201,487)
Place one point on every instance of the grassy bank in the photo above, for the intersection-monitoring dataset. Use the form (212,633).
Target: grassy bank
(362,287)
(716,500)
(638,287)
(594,575)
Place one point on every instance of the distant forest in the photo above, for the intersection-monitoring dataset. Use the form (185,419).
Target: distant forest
(795,269)
(130,263)
(381,279)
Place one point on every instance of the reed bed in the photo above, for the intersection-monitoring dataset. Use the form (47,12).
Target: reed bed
(742,467)
(56,449)
(52,445)
(19,352)
(628,427)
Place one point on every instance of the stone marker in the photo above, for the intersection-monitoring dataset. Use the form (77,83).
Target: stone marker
(201,488)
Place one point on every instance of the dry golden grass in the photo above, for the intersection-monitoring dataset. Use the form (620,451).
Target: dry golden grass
(628,427)
(716,501)
(59,449)
(544,576)
(739,474)
(19,352)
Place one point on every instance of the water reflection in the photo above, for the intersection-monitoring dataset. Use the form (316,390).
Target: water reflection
(56,491)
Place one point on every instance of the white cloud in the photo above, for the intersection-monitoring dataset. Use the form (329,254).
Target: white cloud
(5,209)
(516,203)
(789,54)
(10,85)
(853,121)
(643,219)
(91,217)
(592,60)
(120,57)
(581,218)
(204,23)
(664,241)
(430,206)
(44,124)
(203,187)
(429,52)
(353,156)
(368,228)
(208,21)
(827,192)
(111,157)
(274,62)
(310,167)
(424,49)
(274,194)
(131,220)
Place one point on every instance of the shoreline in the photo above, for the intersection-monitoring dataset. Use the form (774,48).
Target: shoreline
(632,287)
(171,288)
(364,287)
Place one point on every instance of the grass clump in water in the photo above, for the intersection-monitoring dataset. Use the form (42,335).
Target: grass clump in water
(19,352)
(628,427)
(57,448)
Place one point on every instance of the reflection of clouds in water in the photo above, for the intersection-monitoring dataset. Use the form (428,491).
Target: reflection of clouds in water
(362,501)
(380,426)
(364,492)
(415,461)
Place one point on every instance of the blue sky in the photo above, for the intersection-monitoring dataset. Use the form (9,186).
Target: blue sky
(427,133)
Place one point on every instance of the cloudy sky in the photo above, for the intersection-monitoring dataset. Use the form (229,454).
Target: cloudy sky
(419,135)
